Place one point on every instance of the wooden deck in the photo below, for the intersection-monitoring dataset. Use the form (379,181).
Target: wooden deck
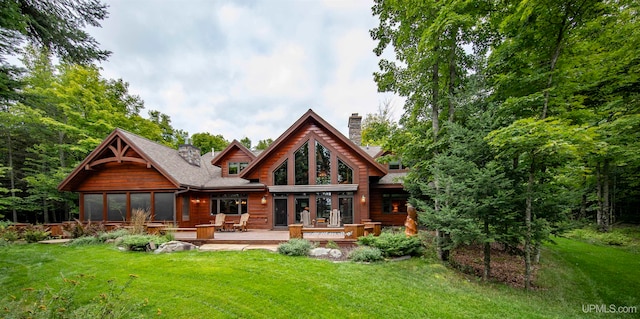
(259,237)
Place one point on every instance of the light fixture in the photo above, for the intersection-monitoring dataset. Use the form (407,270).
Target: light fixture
(264,200)
(197,200)
(363,199)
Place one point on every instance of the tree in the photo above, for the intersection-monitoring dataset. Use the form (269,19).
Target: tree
(378,128)
(246,142)
(207,142)
(263,144)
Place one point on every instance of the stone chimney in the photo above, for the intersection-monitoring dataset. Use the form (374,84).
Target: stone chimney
(190,153)
(355,128)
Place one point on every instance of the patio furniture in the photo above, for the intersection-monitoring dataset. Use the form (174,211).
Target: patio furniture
(305,216)
(242,224)
(218,223)
(334,218)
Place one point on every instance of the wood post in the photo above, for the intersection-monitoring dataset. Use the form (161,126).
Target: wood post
(205,231)
(353,231)
(295,231)
(374,228)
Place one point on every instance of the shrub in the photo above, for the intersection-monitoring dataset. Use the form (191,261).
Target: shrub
(113,234)
(141,242)
(35,233)
(139,218)
(393,244)
(8,233)
(77,228)
(332,245)
(296,247)
(366,254)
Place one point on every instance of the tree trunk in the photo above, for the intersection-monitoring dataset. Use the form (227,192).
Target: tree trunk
(598,196)
(487,252)
(528,235)
(45,210)
(452,84)
(435,87)
(12,178)
(552,66)
(606,210)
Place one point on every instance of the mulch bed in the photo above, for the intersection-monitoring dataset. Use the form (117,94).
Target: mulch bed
(505,267)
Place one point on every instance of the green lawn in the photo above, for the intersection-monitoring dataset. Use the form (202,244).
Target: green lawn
(260,284)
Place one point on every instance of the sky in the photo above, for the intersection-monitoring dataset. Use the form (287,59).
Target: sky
(245,68)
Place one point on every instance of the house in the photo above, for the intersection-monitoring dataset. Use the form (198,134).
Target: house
(310,165)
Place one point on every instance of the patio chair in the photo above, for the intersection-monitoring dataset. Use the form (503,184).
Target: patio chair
(242,224)
(334,218)
(218,223)
(305,216)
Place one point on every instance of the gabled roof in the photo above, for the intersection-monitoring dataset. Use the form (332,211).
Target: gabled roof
(305,118)
(165,160)
(217,160)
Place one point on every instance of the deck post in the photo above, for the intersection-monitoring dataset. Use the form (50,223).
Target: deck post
(374,228)
(295,231)
(205,231)
(353,231)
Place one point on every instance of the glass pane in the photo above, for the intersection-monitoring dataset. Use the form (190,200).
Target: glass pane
(280,174)
(163,204)
(323,165)
(141,201)
(93,207)
(346,209)
(301,204)
(185,209)
(233,168)
(302,165)
(117,207)
(394,203)
(323,206)
(243,166)
(345,173)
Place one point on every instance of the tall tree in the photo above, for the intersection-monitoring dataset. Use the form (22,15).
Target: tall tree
(207,142)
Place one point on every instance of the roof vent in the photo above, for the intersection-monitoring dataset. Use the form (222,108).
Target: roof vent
(190,153)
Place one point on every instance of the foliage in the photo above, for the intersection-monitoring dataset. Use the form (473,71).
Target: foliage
(295,247)
(263,144)
(366,254)
(139,219)
(35,233)
(246,142)
(393,244)
(86,240)
(332,245)
(207,142)
(61,303)
(618,236)
(78,228)
(114,234)
(141,242)
(8,232)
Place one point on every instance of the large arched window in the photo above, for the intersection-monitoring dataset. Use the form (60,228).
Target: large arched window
(302,165)
(323,164)
(345,173)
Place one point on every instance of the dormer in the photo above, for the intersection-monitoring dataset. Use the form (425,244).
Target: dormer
(233,159)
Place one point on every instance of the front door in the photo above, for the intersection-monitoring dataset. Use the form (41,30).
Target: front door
(280,211)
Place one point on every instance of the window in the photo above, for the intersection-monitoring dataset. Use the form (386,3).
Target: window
(93,207)
(163,204)
(396,165)
(141,201)
(345,201)
(345,173)
(302,165)
(323,205)
(394,203)
(323,165)
(236,167)
(116,207)
(302,202)
(280,174)
(185,209)
(230,204)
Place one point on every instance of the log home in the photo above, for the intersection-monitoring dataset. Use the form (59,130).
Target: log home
(311,165)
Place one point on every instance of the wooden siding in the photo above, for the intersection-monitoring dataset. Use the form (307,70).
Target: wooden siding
(124,176)
(376,214)
(235,155)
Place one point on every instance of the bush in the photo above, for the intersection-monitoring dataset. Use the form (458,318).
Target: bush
(332,245)
(393,244)
(8,233)
(35,233)
(366,254)
(113,234)
(77,229)
(296,247)
(141,242)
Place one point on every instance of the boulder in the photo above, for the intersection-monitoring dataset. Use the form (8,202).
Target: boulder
(172,246)
(322,252)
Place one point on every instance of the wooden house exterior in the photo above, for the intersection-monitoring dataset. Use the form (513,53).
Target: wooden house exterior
(311,165)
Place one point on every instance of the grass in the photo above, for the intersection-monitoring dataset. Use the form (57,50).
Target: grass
(261,284)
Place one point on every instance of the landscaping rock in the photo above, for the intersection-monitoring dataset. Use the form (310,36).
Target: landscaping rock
(172,246)
(322,252)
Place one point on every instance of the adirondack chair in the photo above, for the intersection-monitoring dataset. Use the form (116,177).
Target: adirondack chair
(334,218)
(305,216)
(218,223)
(242,224)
